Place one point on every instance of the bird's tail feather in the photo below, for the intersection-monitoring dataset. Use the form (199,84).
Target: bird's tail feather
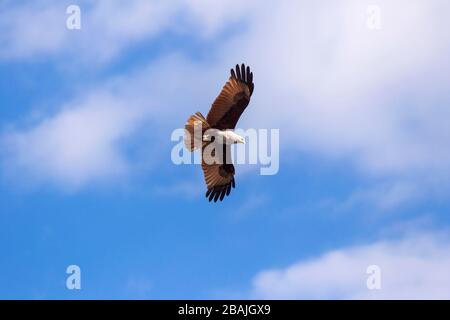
(195,126)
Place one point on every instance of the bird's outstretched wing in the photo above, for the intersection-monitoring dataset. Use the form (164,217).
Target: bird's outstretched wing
(232,100)
(219,177)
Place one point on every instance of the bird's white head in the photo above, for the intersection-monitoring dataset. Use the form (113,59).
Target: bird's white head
(240,139)
(232,137)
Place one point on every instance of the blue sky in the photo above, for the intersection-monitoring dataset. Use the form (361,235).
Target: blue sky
(86,176)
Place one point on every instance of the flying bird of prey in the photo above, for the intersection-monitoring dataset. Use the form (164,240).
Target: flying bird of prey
(217,129)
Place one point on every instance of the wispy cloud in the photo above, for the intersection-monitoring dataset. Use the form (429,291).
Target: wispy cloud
(185,189)
(138,288)
(33,29)
(340,89)
(79,144)
(84,141)
(38,28)
(383,197)
(412,268)
(335,87)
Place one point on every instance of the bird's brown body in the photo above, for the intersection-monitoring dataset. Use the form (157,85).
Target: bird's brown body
(223,115)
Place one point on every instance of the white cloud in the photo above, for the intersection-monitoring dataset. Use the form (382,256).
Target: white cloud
(79,144)
(31,30)
(107,27)
(333,86)
(416,267)
(85,141)
(211,17)
(340,89)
